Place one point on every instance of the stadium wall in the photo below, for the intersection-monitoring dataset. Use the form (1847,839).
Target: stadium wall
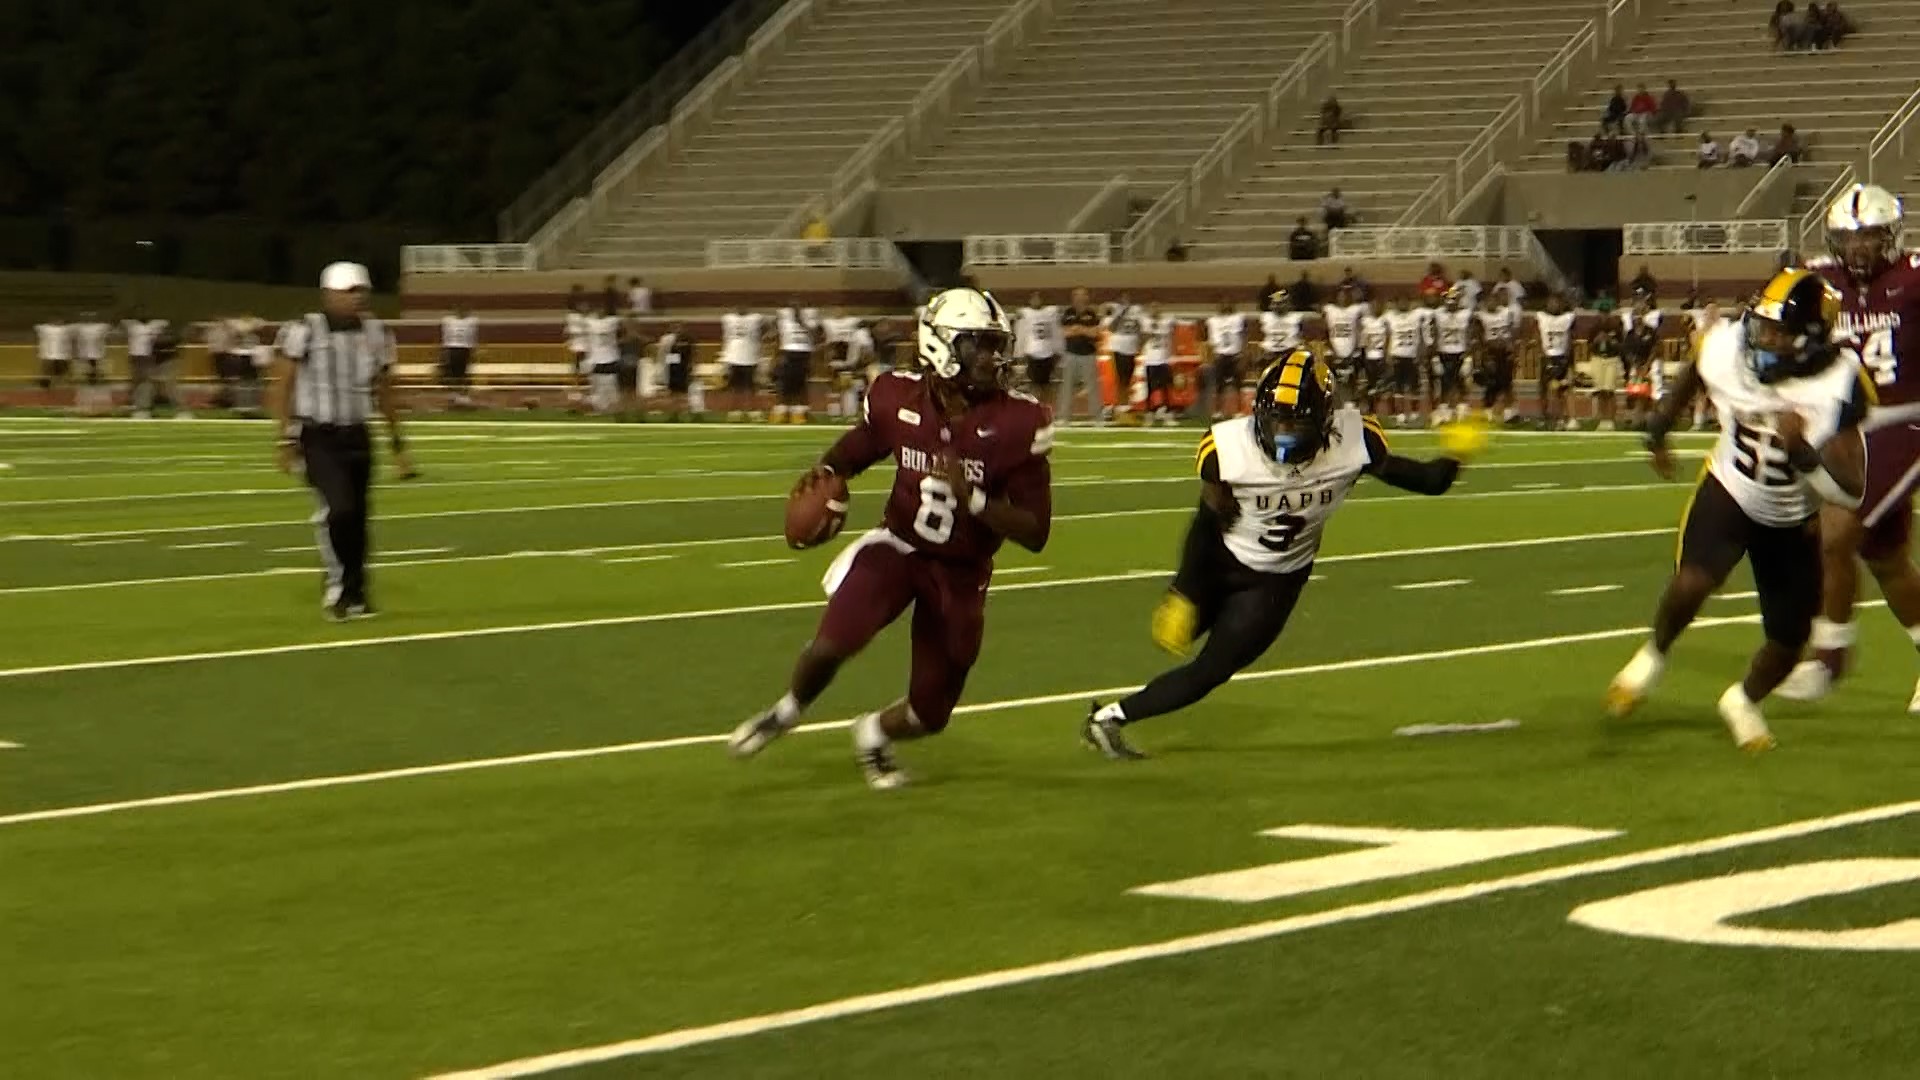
(1611,200)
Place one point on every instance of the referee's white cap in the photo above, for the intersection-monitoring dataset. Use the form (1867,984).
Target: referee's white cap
(345,277)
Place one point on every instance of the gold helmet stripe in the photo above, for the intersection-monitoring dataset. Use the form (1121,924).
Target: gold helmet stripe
(1774,297)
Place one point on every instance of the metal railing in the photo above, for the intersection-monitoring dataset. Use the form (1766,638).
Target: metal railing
(1482,155)
(1892,136)
(1245,140)
(1010,31)
(849,253)
(465,258)
(1038,249)
(1613,15)
(1357,12)
(1762,186)
(1767,237)
(1425,204)
(1560,67)
(648,106)
(1432,242)
(1466,196)
(1812,225)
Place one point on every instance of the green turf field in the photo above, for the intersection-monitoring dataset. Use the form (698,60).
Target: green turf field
(498,825)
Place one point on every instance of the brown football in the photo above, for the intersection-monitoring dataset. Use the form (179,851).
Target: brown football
(815,515)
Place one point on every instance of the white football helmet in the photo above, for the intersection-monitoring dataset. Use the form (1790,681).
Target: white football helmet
(1863,229)
(959,322)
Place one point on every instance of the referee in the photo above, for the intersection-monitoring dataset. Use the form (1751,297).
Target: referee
(332,374)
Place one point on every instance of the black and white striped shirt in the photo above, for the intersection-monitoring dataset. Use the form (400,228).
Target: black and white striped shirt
(338,362)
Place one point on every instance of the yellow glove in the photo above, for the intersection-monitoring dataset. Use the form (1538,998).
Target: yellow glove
(1463,440)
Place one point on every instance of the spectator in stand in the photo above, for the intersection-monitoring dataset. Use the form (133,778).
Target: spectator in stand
(817,231)
(1710,152)
(1333,209)
(1603,151)
(639,297)
(1615,118)
(1435,280)
(1816,27)
(1787,145)
(1784,24)
(1176,251)
(1745,149)
(1576,156)
(1302,245)
(1640,110)
(1835,26)
(1639,155)
(1675,108)
(1330,116)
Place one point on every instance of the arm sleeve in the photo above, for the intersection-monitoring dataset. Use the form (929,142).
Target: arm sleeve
(293,343)
(1207,461)
(1420,477)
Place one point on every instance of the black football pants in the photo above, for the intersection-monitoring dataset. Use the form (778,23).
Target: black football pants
(1242,613)
(339,463)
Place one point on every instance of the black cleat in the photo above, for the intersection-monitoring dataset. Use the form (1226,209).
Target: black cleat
(338,612)
(361,609)
(1105,736)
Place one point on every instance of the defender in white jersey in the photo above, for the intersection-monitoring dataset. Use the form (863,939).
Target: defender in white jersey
(1269,483)
(799,332)
(1493,366)
(1226,341)
(1407,346)
(1280,328)
(1555,327)
(1790,403)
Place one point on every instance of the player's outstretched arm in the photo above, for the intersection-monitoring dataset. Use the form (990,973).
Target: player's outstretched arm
(1667,415)
(1408,474)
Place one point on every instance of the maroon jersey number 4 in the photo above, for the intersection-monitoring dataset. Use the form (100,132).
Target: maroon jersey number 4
(1002,441)
(1882,320)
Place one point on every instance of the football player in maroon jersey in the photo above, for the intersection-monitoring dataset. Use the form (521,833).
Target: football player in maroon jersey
(971,470)
(1879,283)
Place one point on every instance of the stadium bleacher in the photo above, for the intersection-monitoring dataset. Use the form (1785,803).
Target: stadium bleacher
(780,138)
(1413,101)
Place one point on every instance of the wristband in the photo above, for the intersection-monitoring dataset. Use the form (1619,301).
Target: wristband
(977,501)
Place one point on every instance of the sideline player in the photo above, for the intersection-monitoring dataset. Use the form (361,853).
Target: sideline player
(1790,403)
(1555,326)
(1455,330)
(1407,349)
(1226,340)
(1268,484)
(1493,368)
(1879,287)
(971,472)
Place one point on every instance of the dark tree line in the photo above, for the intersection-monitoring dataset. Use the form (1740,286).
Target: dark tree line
(427,114)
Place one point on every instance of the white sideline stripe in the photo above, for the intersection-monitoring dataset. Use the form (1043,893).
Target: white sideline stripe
(106,543)
(1540,486)
(1011,570)
(719,612)
(753,562)
(205,545)
(639,559)
(490,511)
(1585,590)
(11,746)
(405,552)
(1446,583)
(1749,595)
(1080,696)
(1180,946)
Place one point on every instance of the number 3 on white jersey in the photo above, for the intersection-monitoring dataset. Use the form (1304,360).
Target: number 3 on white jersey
(1878,356)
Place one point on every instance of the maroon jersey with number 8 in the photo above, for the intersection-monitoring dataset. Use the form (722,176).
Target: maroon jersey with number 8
(1002,441)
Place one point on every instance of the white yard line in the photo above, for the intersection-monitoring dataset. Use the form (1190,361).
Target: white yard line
(1079,697)
(1749,595)
(1084,963)
(206,545)
(502,556)
(743,564)
(107,543)
(1012,570)
(491,511)
(639,559)
(1586,590)
(1445,583)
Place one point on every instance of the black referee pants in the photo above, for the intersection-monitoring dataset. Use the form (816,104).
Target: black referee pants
(339,466)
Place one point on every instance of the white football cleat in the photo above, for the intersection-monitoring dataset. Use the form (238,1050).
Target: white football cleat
(1631,686)
(1812,680)
(1743,719)
(756,734)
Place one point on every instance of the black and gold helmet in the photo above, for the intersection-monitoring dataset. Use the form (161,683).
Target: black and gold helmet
(1293,408)
(1790,326)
